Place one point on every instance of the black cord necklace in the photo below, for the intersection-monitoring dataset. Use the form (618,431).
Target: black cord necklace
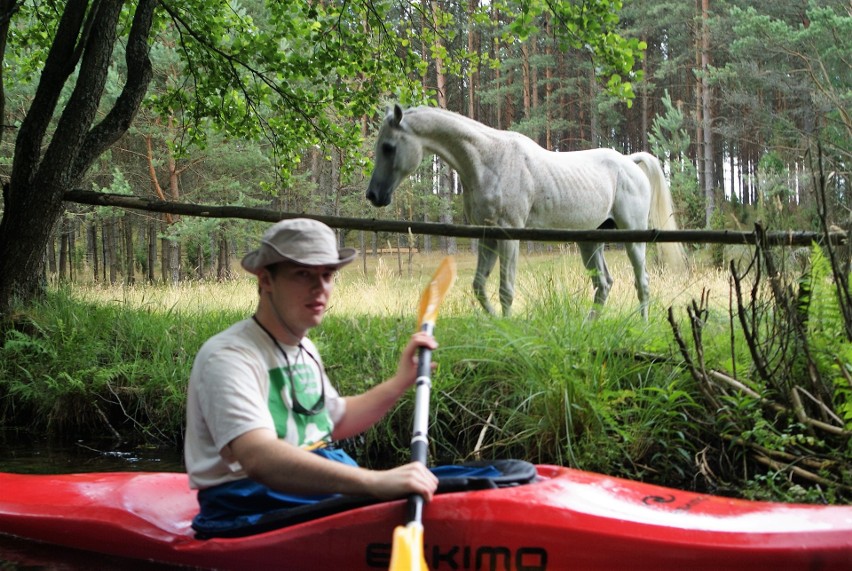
(297,406)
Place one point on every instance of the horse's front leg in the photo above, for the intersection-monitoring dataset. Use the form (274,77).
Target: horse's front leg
(508,250)
(485,260)
(636,253)
(594,262)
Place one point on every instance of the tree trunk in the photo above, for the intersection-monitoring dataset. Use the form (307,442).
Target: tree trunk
(441,170)
(92,248)
(223,267)
(699,133)
(72,248)
(199,260)
(645,99)
(473,46)
(50,257)
(107,235)
(498,75)
(165,256)
(548,89)
(173,258)
(594,129)
(526,80)
(440,77)
(62,273)
(534,96)
(130,273)
(7,10)
(151,276)
(706,117)
(33,197)
(335,181)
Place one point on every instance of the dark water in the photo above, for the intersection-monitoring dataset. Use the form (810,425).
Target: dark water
(24,454)
(20,453)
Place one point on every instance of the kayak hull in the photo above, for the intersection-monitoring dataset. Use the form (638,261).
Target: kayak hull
(569,519)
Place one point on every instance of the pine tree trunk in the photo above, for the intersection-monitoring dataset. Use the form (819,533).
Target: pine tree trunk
(473,47)
(151,277)
(594,129)
(699,122)
(92,249)
(644,102)
(706,117)
(441,170)
(223,270)
(526,80)
(51,257)
(164,260)
(498,76)
(109,250)
(548,89)
(63,273)
(130,274)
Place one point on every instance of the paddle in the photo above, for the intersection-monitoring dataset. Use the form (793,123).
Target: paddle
(407,552)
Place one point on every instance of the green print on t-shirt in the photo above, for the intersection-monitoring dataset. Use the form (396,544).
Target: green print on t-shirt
(309,429)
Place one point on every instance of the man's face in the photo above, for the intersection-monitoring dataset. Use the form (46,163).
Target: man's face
(299,294)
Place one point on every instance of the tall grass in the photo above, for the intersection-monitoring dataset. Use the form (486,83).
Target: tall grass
(117,358)
(547,384)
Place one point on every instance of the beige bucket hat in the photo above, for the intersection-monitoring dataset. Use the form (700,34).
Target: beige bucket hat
(301,240)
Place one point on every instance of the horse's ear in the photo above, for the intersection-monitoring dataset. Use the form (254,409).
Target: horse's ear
(397,115)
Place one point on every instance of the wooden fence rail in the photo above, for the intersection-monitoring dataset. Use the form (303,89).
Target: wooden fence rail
(775,238)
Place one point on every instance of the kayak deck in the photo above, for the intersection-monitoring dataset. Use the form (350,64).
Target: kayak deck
(567,519)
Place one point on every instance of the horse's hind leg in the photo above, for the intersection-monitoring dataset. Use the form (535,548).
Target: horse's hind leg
(593,259)
(636,253)
(508,250)
(485,260)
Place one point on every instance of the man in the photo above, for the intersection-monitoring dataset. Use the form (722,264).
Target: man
(261,411)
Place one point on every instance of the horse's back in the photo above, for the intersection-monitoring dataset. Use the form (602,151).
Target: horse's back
(575,189)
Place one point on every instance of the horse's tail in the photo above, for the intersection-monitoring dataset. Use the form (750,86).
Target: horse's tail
(662,209)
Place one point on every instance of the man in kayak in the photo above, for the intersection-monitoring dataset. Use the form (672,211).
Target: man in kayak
(261,412)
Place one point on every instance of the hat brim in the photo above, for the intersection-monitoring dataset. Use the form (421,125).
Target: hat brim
(255,261)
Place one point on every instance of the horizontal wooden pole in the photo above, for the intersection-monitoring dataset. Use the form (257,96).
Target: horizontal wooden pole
(775,238)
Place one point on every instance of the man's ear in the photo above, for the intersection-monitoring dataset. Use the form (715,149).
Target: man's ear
(264,280)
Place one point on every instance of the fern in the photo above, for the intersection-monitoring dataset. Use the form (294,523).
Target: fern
(832,350)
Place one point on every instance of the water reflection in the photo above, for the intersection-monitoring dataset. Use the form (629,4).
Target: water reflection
(24,454)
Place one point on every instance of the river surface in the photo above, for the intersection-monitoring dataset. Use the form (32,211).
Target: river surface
(23,454)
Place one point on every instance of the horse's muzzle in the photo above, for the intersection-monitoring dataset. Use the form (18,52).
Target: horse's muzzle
(377,199)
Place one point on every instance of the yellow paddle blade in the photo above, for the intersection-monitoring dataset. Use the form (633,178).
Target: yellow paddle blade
(435,291)
(407,554)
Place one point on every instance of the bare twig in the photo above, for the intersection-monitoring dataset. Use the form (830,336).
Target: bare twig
(801,472)
(477,450)
(115,433)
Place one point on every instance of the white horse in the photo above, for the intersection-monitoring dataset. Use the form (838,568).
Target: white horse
(510,181)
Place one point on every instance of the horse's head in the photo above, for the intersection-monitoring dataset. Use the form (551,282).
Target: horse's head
(398,153)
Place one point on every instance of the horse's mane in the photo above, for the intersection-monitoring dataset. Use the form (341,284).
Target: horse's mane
(471,123)
(461,124)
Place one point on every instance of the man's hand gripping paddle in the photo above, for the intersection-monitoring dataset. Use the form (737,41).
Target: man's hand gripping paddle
(407,553)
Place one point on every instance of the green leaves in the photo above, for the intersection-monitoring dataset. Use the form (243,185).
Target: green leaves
(290,73)
(590,28)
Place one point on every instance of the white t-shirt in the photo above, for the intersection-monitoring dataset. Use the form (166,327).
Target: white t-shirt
(239,382)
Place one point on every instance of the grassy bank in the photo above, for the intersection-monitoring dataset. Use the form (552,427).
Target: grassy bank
(610,395)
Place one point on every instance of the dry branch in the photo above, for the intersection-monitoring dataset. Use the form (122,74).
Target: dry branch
(788,238)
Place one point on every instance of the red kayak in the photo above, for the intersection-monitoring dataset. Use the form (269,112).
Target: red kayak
(567,519)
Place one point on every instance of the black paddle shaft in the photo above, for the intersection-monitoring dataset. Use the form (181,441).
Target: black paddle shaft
(420,432)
